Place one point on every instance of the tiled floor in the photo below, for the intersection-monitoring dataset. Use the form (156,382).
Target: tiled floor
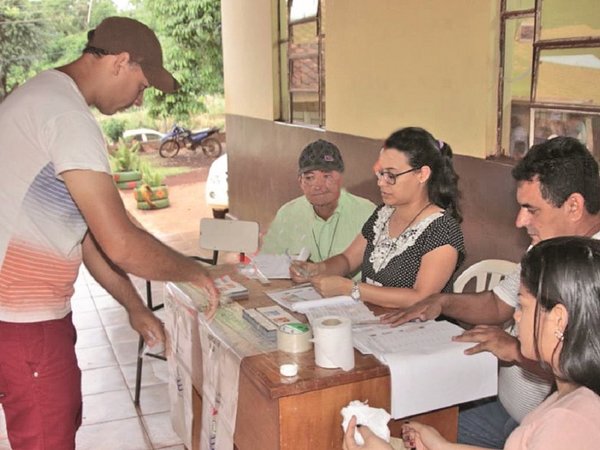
(107,351)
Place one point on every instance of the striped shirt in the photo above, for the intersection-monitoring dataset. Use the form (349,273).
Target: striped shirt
(46,128)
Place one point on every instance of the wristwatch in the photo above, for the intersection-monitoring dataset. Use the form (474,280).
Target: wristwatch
(355,292)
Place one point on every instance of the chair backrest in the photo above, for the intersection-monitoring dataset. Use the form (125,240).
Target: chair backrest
(238,236)
(487,273)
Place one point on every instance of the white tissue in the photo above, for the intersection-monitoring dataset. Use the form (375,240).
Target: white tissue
(375,418)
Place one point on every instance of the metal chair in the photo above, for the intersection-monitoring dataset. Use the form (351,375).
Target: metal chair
(238,236)
(487,273)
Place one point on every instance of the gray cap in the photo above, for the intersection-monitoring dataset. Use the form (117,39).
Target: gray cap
(320,155)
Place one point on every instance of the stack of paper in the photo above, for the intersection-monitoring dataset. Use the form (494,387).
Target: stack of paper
(291,298)
(428,370)
(267,319)
(230,288)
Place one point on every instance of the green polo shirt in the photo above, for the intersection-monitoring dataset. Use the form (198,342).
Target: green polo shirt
(296,226)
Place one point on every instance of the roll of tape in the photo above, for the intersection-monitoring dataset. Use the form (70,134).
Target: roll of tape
(294,338)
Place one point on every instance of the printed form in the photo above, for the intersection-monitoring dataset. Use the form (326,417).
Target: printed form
(428,370)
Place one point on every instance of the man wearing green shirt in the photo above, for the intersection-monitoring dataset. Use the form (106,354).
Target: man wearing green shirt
(327,218)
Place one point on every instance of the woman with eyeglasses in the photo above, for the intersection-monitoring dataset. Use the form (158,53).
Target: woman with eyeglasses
(559,326)
(412,244)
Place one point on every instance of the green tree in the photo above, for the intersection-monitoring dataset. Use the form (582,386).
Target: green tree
(21,41)
(190,32)
(31,42)
(70,27)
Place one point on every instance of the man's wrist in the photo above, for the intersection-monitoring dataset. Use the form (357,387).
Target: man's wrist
(445,302)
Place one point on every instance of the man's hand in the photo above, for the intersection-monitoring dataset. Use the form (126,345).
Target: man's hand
(427,309)
(372,442)
(492,339)
(205,282)
(147,325)
(330,286)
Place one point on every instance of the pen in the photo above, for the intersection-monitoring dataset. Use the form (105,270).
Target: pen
(301,270)
(261,276)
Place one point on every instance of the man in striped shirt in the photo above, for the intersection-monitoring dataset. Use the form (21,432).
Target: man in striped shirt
(59,207)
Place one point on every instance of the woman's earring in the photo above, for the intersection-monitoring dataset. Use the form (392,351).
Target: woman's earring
(559,335)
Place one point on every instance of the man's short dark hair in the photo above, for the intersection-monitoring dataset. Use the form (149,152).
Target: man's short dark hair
(563,166)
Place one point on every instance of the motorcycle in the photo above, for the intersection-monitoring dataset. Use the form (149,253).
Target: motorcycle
(179,137)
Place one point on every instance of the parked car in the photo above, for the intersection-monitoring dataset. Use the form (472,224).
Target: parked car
(216,189)
(145,136)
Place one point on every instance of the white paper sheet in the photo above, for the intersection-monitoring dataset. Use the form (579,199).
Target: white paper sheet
(272,266)
(297,294)
(356,312)
(429,371)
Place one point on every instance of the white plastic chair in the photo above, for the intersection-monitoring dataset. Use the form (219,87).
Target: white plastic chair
(240,236)
(488,273)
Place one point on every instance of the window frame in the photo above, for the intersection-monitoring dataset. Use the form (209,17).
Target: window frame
(538,46)
(286,107)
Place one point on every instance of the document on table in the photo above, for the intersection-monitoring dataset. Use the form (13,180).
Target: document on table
(428,370)
(272,266)
(357,312)
(303,297)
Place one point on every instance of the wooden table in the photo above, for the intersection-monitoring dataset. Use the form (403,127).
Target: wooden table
(276,413)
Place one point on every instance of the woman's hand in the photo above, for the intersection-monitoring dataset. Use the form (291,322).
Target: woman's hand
(330,286)
(301,271)
(422,437)
(372,442)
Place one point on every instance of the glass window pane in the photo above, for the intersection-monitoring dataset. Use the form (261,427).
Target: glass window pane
(569,76)
(304,33)
(518,54)
(303,9)
(585,127)
(517,84)
(305,108)
(519,5)
(303,54)
(305,74)
(572,18)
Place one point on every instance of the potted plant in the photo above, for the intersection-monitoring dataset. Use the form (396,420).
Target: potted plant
(125,163)
(152,193)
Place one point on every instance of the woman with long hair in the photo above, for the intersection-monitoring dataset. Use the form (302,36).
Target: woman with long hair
(559,326)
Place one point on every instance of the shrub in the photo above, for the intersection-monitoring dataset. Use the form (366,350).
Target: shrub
(113,129)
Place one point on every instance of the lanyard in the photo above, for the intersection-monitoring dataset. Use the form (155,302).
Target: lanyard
(317,242)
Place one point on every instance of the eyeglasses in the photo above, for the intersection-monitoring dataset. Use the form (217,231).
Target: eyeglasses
(389,177)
